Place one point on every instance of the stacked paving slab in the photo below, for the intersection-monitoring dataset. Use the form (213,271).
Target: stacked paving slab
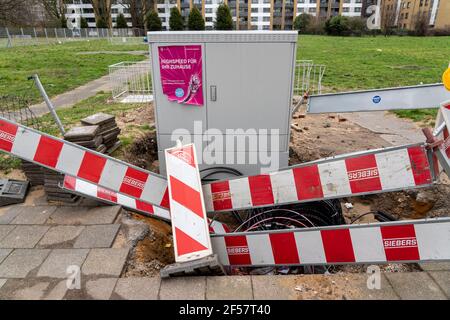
(33,172)
(107,129)
(98,132)
(87,136)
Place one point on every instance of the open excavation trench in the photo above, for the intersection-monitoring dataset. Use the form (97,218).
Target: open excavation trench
(312,137)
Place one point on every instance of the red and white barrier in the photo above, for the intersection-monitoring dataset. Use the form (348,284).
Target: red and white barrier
(443,151)
(369,172)
(404,241)
(74,160)
(94,191)
(189,221)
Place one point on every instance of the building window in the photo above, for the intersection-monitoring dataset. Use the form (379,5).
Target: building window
(312,10)
(301,10)
(346,9)
(312,1)
(266,10)
(409,5)
(301,1)
(357,9)
(265,19)
(208,19)
(358,1)
(254,19)
(114,11)
(406,15)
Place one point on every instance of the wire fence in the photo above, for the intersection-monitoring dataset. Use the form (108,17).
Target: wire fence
(131,82)
(13,37)
(308,77)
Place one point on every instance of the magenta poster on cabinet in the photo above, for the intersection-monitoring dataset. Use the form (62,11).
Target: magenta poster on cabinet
(181,73)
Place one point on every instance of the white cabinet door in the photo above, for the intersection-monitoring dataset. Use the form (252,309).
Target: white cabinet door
(246,88)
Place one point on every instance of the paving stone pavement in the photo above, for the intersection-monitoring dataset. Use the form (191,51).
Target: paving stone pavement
(97,236)
(35,252)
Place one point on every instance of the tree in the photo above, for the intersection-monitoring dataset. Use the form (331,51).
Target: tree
(337,26)
(302,22)
(421,24)
(176,21)
(195,20)
(121,22)
(63,21)
(83,23)
(138,11)
(153,21)
(102,12)
(101,23)
(224,21)
(388,17)
(18,13)
(54,8)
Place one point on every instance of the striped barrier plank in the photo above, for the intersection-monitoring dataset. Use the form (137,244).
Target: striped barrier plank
(369,172)
(187,208)
(74,160)
(94,191)
(403,241)
(443,151)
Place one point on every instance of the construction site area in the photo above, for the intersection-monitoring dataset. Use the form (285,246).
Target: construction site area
(218,165)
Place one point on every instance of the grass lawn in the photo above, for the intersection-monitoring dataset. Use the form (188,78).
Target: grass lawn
(354,63)
(60,67)
(71,117)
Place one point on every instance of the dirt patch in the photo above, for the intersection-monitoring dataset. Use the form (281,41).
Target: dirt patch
(153,252)
(143,152)
(319,136)
(140,116)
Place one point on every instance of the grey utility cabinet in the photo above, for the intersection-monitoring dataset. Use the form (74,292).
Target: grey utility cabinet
(247,81)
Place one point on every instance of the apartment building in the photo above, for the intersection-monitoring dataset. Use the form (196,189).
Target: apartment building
(329,8)
(280,14)
(76,9)
(405,13)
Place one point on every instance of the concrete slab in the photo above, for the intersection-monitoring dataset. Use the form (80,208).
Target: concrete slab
(4,253)
(391,128)
(21,261)
(415,286)
(341,286)
(24,237)
(10,214)
(272,288)
(442,278)
(33,214)
(183,288)
(57,292)
(56,264)
(97,236)
(100,289)
(84,215)
(2,282)
(4,230)
(32,291)
(230,288)
(137,288)
(60,236)
(435,266)
(107,262)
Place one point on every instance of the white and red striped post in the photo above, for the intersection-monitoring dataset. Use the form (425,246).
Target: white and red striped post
(187,208)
